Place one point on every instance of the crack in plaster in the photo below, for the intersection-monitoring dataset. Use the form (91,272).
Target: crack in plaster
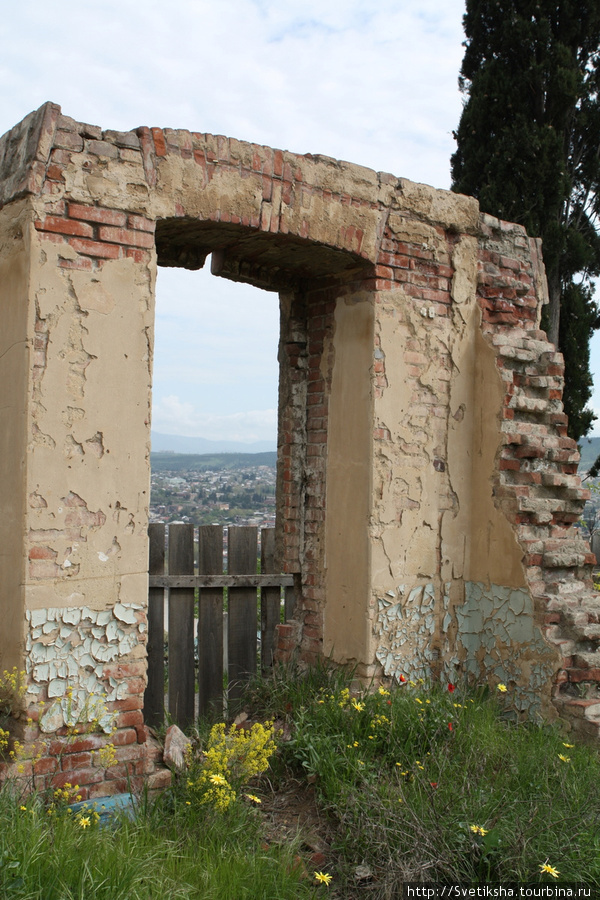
(68,649)
(24,343)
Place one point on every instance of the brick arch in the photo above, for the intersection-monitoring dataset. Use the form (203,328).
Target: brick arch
(216,179)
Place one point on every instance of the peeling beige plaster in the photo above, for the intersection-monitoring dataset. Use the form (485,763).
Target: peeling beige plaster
(478,542)
(347,625)
(496,556)
(406,487)
(90,428)
(16,352)
(434,524)
(109,182)
(406,560)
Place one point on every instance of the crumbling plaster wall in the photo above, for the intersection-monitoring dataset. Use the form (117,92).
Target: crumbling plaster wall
(437,538)
(15,360)
(427,488)
(89,431)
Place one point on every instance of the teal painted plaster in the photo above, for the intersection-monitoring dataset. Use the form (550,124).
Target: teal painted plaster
(497,638)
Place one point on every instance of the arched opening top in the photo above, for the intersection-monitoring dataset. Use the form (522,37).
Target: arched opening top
(270,261)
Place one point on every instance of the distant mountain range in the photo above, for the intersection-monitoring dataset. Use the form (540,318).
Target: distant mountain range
(177,443)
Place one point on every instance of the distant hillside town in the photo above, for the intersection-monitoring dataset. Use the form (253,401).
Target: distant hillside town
(213,489)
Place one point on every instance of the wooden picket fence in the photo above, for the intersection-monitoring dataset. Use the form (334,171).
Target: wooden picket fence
(225,606)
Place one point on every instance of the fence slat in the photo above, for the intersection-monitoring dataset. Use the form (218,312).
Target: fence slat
(181,627)
(210,624)
(242,556)
(154,696)
(270,600)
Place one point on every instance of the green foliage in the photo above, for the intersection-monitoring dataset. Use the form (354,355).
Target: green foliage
(527,149)
(13,686)
(578,320)
(172,848)
(487,799)
(410,798)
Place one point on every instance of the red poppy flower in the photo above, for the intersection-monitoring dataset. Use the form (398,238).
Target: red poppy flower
(401,678)
(433,784)
(451,688)
(450,726)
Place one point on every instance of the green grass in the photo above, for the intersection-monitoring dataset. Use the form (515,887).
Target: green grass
(171,850)
(430,784)
(420,783)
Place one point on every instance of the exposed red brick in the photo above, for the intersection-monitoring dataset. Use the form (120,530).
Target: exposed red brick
(55,173)
(139,256)
(139,223)
(125,236)
(95,248)
(71,761)
(97,214)
(134,719)
(37,552)
(82,777)
(160,145)
(124,736)
(64,226)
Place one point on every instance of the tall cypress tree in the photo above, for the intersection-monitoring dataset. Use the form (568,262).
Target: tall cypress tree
(528,147)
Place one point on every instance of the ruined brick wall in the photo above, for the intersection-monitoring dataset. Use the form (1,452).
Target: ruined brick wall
(536,483)
(426,488)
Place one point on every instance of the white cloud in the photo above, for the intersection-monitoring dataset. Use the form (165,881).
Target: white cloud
(373,84)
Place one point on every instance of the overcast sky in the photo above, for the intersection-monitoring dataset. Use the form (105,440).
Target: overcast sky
(370,81)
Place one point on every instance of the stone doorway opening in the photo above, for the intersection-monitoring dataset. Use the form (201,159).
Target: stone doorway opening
(309,278)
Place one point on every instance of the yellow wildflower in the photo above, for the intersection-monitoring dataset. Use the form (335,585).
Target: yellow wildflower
(218,779)
(565,759)
(323,878)
(477,829)
(502,688)
(84,821)
(549,870)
